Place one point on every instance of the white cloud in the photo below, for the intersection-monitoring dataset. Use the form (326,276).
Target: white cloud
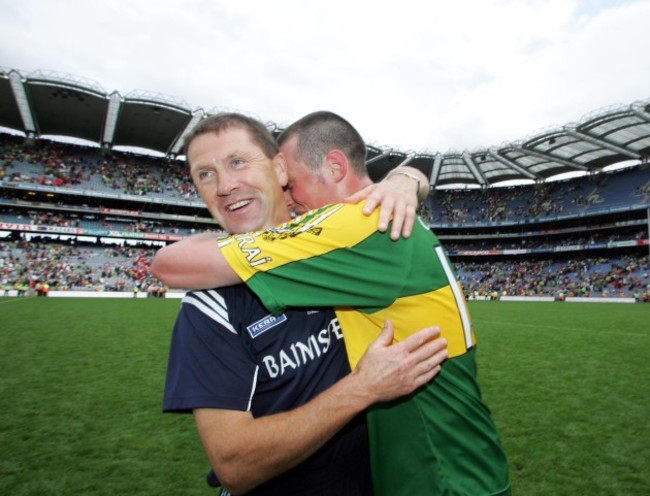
(415,74)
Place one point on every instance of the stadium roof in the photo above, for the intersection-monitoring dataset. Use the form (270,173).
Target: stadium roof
(51,103)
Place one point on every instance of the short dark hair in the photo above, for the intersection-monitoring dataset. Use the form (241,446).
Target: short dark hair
(223,121)
(318,133)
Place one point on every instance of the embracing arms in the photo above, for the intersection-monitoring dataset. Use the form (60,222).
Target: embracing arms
(245,451)
(196,262)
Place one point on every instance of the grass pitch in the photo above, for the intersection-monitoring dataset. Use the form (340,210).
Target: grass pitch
(82,380)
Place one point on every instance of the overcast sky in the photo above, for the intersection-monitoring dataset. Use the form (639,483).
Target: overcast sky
(421,75)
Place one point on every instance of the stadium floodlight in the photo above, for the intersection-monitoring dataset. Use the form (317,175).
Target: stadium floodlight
(196,118)
(113,111)
(18,88)
(435,170)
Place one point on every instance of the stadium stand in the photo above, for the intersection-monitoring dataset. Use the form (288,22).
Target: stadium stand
(89,217)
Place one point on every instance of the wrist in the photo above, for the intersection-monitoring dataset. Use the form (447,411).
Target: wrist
(412,177)
(358,391)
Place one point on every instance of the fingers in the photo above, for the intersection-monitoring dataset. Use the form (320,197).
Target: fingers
(430,365)
(391,369)
(361,195)
(409,220)
(371,203)
(401,213)
(428,375)
(427,351)
(385,212)
(429,356)
(418,338)
(385,338)
(395,205)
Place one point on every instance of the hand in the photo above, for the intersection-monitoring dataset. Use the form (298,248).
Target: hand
(389,370)
(398,196)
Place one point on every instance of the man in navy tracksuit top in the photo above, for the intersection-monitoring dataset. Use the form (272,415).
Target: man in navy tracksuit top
(268,364)
(277,408)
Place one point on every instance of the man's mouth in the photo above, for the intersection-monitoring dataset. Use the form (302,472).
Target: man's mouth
(237,205)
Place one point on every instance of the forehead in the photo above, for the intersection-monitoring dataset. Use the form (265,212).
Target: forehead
(213,146)
(289,145)
(294,165)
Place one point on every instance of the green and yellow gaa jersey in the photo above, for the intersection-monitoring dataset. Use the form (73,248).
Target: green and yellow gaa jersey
(439,440)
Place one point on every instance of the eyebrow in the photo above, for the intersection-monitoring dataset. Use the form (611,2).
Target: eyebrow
(212,161)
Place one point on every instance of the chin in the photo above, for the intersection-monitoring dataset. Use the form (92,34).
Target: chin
(244,227)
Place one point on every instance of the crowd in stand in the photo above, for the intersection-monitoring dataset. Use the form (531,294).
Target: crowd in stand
(67,165)
(70,165)
(95,220)
(63,267)
(482,205)
(540,242)
(60,219)
(539,201)
(26,264)
(584,277)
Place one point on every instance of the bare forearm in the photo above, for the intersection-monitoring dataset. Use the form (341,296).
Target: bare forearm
(193,263)
(246,451)
(266,447)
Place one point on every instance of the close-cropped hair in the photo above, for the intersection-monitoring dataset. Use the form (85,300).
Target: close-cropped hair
(323,131)
(225,121)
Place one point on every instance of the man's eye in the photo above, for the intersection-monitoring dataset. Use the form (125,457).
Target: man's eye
(204,175)
(237,162)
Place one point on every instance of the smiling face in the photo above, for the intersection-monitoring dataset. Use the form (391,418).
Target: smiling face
(240,185)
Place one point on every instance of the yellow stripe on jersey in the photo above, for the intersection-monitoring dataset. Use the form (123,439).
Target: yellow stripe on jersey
(255,246)
(409,314)
(320,233)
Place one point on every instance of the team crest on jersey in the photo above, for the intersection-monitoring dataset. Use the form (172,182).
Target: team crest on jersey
(263,325)
(275,234)
(306,223)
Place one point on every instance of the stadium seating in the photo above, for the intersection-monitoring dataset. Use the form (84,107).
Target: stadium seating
(83,219)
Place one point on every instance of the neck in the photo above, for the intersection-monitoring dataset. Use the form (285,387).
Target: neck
(281,216)
(352,184)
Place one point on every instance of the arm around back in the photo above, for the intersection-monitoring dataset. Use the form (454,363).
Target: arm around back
(245,451)
(195,262)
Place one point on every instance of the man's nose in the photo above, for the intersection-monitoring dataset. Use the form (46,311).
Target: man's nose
(227,182)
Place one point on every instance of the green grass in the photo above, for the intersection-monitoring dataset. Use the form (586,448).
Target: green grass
(568,387)
(80,397)
(82,380)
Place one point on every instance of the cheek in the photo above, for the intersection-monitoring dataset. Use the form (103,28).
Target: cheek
(215,212)
(296,194)
(318,197)
(288,199)
(205,194)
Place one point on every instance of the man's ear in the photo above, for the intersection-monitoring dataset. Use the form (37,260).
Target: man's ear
(337,165)
(280,166)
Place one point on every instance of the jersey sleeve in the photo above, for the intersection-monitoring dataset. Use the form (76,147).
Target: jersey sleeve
(208,365)
(333,256)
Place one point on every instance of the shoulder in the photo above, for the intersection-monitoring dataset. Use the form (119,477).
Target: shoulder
(224,306)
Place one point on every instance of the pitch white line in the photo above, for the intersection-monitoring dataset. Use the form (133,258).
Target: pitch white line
(15,299)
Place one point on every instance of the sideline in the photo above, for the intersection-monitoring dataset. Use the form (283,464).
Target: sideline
(16,299)
(181,293)
(94,294)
